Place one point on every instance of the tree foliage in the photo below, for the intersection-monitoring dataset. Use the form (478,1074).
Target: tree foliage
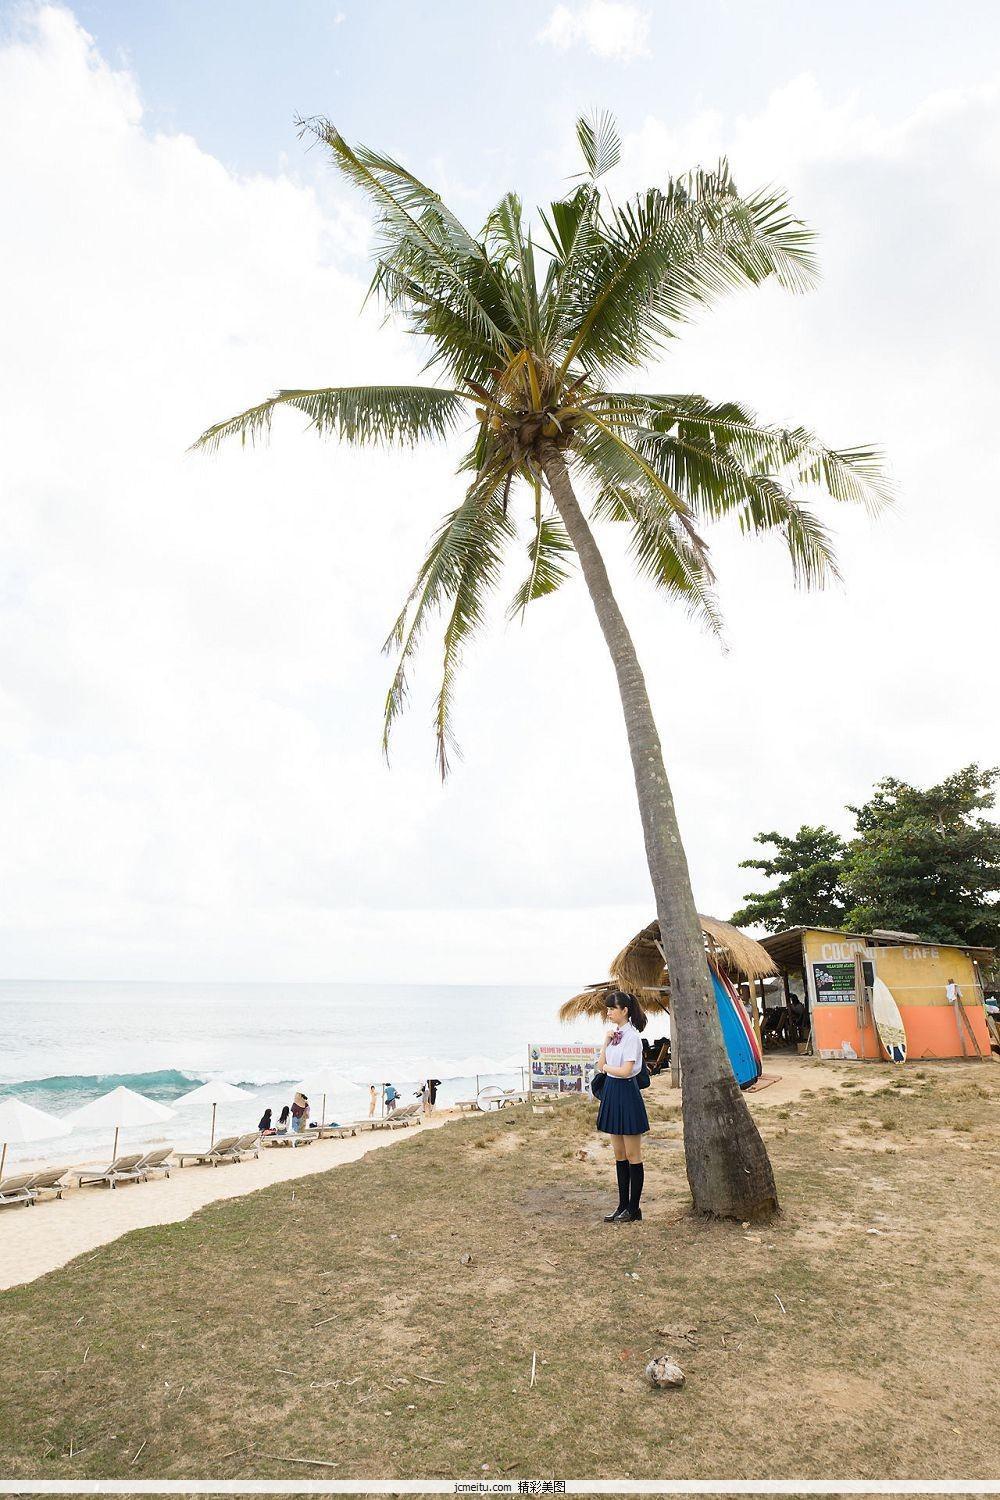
(808,868)
(926,860)
(922,860)
(528,330)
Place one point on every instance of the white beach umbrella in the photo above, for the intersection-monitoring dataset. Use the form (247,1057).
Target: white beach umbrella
(120,1107)
(215,1092)
(20,1123)
(326,1081)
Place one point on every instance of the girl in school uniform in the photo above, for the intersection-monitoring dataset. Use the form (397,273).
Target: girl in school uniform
(622,1114)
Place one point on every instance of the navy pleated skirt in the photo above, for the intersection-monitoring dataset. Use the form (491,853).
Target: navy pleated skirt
(622,1111)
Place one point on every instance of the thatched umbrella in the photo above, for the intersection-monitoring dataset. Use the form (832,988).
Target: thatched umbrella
(639,968)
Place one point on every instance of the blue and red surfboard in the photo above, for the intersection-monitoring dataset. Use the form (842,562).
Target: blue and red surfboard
(737,1032)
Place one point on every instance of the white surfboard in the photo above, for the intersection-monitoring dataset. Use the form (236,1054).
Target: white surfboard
(888,1022)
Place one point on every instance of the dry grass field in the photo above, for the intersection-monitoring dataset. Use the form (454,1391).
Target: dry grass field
(333,1320)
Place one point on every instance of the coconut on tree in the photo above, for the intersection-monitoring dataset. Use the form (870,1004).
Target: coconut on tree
(532,346)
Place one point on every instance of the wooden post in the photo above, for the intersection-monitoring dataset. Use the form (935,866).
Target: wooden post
(675,1051)
(860,1009)
(962,1019)
(752,987)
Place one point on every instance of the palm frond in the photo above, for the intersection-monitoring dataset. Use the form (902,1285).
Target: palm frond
(505,233)
(453,551)
(479,571)
(664,551)
(600,143)
(355,414)
(573,227)
(430,245)
(707,450)
(548,551)
(741,469)
(665,254)
(610,457)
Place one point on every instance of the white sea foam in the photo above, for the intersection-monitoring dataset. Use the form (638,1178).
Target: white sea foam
(61,1044)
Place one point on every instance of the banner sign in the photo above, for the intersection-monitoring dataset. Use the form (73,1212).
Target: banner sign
(561,1069)
(834,983)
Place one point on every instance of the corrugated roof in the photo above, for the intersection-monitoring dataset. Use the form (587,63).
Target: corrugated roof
(786,947)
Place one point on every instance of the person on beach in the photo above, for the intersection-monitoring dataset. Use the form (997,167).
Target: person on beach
(264,1123)
(622,1114)
(300,1112)
(390,1098)
(425,1098)
(372,1101)
(283,1117)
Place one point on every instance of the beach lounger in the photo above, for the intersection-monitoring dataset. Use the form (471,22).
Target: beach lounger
(290,1138)
(408,1115)
(222,1151)
(49,1181)
(248,1144)
(335,1132)
(157,1161)
(122,1169)
(17,1189)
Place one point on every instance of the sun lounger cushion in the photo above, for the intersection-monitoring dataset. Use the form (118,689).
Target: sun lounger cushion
(17,1189)
(122,1169)
(49,1181)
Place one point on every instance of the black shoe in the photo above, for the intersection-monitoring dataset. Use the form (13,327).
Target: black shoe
(629,1216)
(617,1217)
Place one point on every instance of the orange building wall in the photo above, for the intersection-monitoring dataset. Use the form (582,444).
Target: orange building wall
(917,977)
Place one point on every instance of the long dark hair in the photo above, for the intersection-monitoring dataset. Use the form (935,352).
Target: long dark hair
(636,1014)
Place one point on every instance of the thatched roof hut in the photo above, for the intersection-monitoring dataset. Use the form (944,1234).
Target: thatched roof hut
(639,967)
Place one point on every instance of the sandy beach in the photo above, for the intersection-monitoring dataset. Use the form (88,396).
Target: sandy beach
(36,1240)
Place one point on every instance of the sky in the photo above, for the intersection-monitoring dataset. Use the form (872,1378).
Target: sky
(191,682)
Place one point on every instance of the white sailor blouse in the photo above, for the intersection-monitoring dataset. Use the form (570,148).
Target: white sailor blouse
(624,1046)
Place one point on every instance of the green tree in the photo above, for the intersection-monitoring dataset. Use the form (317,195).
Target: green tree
(925,860)
(531,338)
(809,869)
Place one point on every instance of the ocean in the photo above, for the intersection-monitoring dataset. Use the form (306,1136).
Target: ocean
(62,1045)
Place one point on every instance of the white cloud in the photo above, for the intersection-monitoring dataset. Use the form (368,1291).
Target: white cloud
(190,684)
(609,28)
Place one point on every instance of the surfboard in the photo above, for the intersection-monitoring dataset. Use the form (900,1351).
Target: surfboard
(744,1016)
(888,1022)
(742,1056)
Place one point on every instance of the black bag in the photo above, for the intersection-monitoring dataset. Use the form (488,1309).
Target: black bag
(597,1084)
(642,1077)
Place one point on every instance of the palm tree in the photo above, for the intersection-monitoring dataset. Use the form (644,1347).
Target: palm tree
(529,341)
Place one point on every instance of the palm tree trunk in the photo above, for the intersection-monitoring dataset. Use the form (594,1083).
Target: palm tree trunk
(727,1163)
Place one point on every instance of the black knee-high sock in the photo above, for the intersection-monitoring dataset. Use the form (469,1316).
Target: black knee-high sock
(622,1172)
(637,1174)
